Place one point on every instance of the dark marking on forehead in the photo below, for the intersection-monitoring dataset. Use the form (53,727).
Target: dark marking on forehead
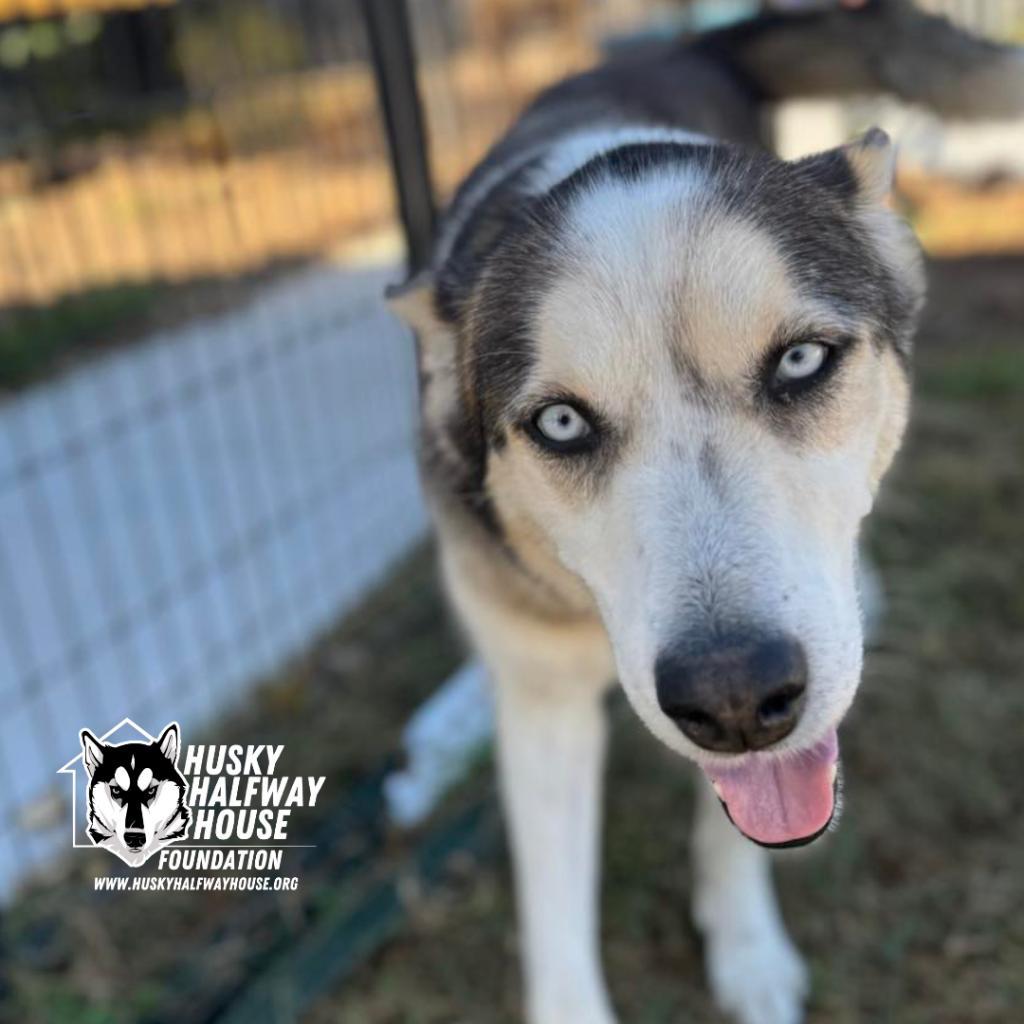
(807,208)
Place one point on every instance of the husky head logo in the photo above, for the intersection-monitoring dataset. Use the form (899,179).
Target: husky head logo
(136,795)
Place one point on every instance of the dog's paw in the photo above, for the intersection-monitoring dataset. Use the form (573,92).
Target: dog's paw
(563,1004)
(591,1011)
(758,977)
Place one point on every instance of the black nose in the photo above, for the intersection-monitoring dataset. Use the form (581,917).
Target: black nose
(740,693)
(133,840)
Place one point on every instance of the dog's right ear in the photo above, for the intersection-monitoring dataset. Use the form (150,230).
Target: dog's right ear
(92,752)
(414,303)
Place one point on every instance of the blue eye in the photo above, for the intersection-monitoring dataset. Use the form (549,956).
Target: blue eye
(801,361)
(562,424)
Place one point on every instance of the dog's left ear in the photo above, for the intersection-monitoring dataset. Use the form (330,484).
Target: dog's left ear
(170,742)
(870,161)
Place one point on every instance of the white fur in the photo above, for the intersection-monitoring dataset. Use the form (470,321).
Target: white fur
(549,681)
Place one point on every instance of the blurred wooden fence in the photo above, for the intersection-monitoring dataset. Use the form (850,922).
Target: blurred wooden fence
(254,165)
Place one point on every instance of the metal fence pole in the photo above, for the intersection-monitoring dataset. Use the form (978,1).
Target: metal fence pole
(394,68)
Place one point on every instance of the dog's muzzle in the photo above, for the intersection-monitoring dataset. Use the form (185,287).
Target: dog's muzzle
(738,696)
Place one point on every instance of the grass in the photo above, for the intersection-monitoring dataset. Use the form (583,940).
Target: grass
(913,911)
(33,339)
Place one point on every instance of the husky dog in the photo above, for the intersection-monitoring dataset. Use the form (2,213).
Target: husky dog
(663,373)
(136,795)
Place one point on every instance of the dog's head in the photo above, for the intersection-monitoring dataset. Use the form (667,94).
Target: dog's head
(136,795)
(681,374)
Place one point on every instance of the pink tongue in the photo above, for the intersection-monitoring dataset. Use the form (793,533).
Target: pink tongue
(781,800)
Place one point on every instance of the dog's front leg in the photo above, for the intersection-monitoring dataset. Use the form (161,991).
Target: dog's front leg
(754,970)
(551,741)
